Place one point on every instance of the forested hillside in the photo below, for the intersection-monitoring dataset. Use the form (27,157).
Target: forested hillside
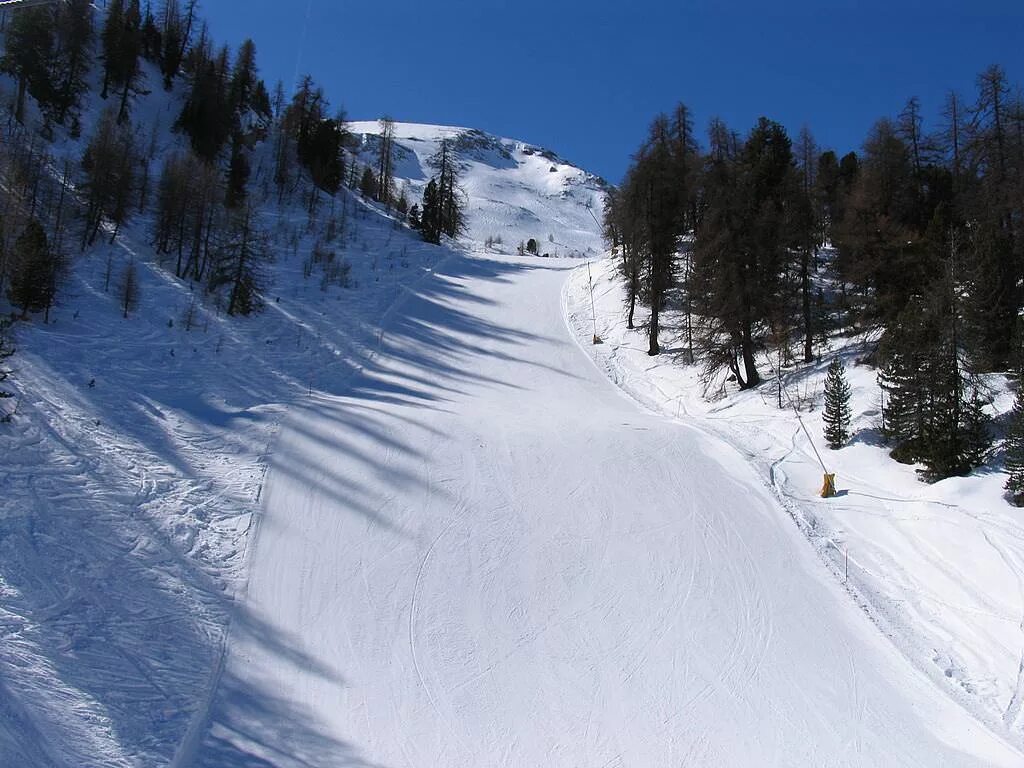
(769,246)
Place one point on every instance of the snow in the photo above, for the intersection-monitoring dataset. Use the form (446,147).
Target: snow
(938,568)
(133,467)
(516,191)
(482,554)
(408,522)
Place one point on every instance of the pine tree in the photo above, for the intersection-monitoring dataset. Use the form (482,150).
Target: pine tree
(1014,447)
(430,218)
(927,413)
(238,174)
(28,52)
(75,34)
(240,261)
(977,439)
(6,351)
(207,116)
(385,162)
(175,36)
(744,238)
(152,40)
(837,405)
(451,219)
(109,184)
(243,79)
(122,46)
(33,274)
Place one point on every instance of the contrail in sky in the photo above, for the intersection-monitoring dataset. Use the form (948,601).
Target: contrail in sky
(302,43)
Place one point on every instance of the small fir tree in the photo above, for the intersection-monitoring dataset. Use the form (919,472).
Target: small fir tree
(977,440)
(837,405)
(32,274)
(6,351)
(1015,451)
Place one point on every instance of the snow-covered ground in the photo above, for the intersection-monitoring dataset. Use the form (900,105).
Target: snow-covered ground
(132,468)
(939,568)
(130,481)
(406,522)
(481,553)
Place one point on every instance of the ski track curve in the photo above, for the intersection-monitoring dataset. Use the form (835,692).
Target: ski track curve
(484,553)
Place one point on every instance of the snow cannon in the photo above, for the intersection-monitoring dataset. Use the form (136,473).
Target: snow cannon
(828,488)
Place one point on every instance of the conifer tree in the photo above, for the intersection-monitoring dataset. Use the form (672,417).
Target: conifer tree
(977,439)
(109,182)
(174,39)
(385,162)
(75,35)
(430,218)
(152,40)
(6,351)
(243,79)
(27,56)
(240,262)
(451,218)
(238,173)
(837,405)
(33,273)
(111,39)
(122,46)
(744,237)
(368,183)
(207,116)
(1014,448)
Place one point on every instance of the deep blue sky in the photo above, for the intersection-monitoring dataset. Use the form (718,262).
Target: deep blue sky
(585,78)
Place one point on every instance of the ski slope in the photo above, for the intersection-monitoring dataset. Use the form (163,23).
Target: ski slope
(480,553)
(939,567)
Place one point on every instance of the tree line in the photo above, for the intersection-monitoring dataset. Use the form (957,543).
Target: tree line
(926,256)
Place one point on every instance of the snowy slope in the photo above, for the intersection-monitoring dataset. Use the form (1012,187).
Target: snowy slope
(132,469)
(515,191)
(130,482)
(405,522)
(480,553)
(940,568)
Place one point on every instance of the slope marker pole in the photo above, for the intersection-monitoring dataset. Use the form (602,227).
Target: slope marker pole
(593,311)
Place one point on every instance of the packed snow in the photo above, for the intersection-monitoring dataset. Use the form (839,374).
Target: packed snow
(407,522)
(482,554)
(939,568)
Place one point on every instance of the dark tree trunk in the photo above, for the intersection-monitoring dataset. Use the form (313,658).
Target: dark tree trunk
(654,348)
(19,110)
(805,290)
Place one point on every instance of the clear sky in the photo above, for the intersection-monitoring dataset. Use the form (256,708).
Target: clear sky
(585,78)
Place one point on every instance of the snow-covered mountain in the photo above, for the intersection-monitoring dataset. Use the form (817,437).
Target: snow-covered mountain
(515,191)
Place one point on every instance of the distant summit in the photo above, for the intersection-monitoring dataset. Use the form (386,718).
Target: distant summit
(516,191)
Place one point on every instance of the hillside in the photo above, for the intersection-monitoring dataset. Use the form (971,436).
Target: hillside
(387,511)
(937,566)
(515,191)
(137,447)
